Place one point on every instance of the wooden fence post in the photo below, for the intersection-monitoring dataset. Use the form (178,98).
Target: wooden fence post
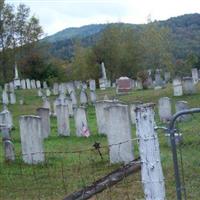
(151,169)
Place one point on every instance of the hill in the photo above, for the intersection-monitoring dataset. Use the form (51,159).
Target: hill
(185,36)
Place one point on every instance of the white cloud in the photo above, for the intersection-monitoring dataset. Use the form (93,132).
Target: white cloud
(56,15)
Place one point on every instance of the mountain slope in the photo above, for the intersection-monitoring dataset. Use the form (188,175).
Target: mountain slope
(185,31)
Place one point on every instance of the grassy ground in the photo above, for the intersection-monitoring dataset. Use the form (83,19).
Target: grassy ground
(72,163)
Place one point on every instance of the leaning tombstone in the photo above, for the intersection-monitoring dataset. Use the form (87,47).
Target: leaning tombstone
(5,99)
(43,113)
(8,146)
(31,139)
(63,120)
(12,98)
(119,134)
(188,86)
(181,106)
(165,109)
(81,122)
(177,87)
(195,75)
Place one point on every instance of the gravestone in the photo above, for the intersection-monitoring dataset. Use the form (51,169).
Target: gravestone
(73,98)
(28,84)
(12,98)
(93,96)
(103,80)
(70,87)
(181,106)
(81,122)
(138,85)
(8,146)
(167,76)
(92,84)
(77,85)
(11,87)
(158,79)
(119,134)
(83,97)
(23,84)
(195,75)
(177,87)
(38,84)
(132,107)
(47,104)
(124,85)
(6,87)
(55,103)
(63,120)
(68,102)
(188,86)
(55,89)
(48,92)
(6,118)
(17,83)
(62,88)
(165,109)
(43,113)
(44,84)
(31,139)
(5,99)
(39,92)
(33,84)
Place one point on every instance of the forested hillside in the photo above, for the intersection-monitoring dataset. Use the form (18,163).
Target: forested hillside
(185,36)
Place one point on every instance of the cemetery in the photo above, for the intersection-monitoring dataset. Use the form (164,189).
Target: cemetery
(56,143)
(97,106)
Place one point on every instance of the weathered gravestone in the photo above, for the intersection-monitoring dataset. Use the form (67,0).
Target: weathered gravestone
(23,84)
(17,83)
(165,109)
(188,86)
(80,118)
(158,79)
(83,97)
(12,98)
(119,134)
(33,84)
(195,75)
(44,84)
(38,84)
(48,92)
(92,85)
(63,120)
(93,97)
(31,139)
(181,106)
(55,89)
(47,104)
(5,99)
(43,113)
(11,87)
(124,85)
(39,91)
(28,84)
(8,146)
(6,118)
(177,87)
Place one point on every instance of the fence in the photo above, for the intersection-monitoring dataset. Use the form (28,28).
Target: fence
(88,173)
(185,140)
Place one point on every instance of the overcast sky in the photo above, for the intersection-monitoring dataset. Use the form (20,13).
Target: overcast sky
(56,15)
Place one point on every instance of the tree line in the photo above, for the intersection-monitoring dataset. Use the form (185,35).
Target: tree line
(124,50)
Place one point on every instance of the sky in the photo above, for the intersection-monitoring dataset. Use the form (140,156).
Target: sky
(56,15)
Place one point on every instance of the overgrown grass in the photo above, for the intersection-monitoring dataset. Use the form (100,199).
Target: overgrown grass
(72,163)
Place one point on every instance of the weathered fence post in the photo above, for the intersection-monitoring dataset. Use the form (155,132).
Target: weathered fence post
(151,169)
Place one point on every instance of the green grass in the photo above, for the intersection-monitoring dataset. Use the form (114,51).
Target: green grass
(72,163)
